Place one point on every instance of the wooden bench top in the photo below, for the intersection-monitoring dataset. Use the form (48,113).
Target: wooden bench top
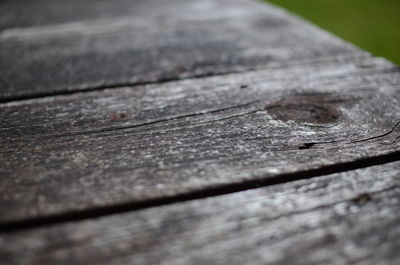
(192,132)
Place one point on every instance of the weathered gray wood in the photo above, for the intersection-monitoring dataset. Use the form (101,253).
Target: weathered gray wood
(347,218)
(318,102)
(87,150)
(145,41)
(22,14)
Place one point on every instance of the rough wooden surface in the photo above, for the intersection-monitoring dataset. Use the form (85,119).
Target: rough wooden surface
(108,157)
(134,144)
(136,42)
(346,218)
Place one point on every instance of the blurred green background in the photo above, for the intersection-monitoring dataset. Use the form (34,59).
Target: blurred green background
(373,25)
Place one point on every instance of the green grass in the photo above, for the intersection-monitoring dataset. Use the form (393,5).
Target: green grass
(373,25)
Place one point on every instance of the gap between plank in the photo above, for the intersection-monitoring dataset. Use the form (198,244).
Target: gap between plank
(71,216)
(9,99)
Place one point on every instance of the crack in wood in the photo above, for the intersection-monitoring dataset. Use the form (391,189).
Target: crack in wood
(272,106)
(309,145)
(281,104)
(379,136)
(154,122)
(11,226)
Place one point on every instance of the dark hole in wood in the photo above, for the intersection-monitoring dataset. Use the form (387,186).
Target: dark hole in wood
(362,199)
(306,146)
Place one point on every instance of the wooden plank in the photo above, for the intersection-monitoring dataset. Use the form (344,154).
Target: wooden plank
(138,43)
(21,14)
(347,218)
(129,145)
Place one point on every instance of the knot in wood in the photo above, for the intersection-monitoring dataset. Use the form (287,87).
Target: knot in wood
(306,109)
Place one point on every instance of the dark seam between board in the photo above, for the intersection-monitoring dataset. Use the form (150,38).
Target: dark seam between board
(199,194)
(65,92)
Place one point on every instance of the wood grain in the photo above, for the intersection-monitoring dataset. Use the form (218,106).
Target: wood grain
(347,218)
(74,46)
(136,132)
(129,145)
